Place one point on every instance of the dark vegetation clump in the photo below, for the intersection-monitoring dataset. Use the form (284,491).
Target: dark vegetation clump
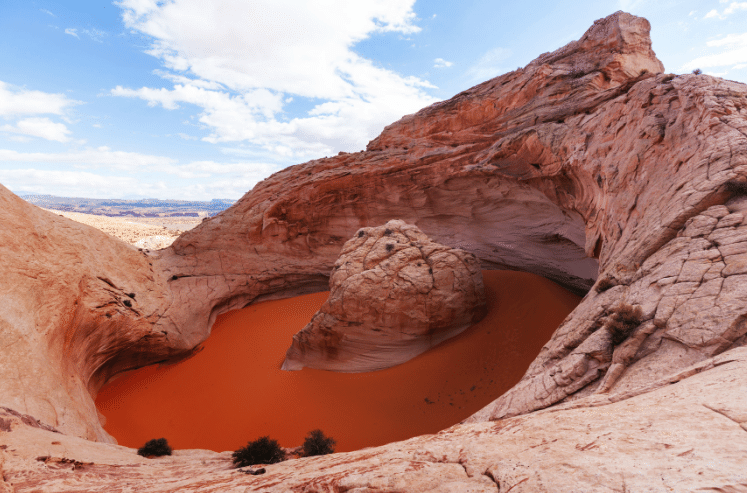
(317,443)
(360,234)
(387,232)
(697,71)
(606,283)
(736,187)
(389,247)
(576,73)
(261,451)
(174,277)
(622,321)
(155,448)
(131,295)
(127,303)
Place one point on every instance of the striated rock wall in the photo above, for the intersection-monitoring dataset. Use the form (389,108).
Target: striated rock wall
(76,306)
(394,294)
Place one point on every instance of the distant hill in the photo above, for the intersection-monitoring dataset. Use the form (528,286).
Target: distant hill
(132,208)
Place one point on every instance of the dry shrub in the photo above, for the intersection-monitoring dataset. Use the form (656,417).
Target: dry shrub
(317,443)
(606,283)
(623,320)
(263,450)
(155,448)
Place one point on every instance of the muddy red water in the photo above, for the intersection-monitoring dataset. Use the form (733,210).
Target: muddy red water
(233,391)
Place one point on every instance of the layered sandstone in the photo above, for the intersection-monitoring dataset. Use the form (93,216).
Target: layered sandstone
(394,294)
(587,161)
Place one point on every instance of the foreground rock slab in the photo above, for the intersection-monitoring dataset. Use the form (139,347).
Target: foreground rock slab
(394,294)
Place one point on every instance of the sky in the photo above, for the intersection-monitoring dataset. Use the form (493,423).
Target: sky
(202,99)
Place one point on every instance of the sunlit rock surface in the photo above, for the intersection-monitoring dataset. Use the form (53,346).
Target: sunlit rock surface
(394,294)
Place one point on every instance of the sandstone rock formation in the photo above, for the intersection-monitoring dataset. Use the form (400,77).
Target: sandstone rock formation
(394,294)
(588,160)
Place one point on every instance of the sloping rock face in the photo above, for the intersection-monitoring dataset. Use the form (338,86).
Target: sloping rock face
(394,294)
(587,160)
(77,306)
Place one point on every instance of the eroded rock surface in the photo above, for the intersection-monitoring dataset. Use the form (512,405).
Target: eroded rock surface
(394,294)
(588,160)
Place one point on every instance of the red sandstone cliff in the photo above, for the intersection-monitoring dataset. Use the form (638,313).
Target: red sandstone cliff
(587,161)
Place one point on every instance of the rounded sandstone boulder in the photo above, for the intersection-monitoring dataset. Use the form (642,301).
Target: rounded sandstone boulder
(394,294)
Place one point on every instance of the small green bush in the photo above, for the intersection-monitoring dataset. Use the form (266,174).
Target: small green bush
(156,447)
(261,451)
(317,443)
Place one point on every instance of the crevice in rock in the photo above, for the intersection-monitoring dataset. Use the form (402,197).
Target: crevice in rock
(598,400)
(726,415)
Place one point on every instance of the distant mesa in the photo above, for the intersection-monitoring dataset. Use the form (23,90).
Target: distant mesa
(131,208)
(394,294)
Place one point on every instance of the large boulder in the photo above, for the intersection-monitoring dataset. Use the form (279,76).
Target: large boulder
(394,294)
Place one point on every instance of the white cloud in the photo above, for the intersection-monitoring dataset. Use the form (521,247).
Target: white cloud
(47,12)
(441,63)
(729,40)
(731,9)
(489,65)
(69,183)
(164,178)
(734,52)
(88,158)
(39,127)
(95,34)
(15,101)
(206,169)
(240,61)
(740,66)
(735,6)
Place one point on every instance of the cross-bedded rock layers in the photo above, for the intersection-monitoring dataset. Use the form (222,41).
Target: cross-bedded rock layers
(587,161)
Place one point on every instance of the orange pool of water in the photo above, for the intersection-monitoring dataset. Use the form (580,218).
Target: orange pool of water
(233,391)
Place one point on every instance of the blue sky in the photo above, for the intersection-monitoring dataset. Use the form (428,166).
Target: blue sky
(201,99)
